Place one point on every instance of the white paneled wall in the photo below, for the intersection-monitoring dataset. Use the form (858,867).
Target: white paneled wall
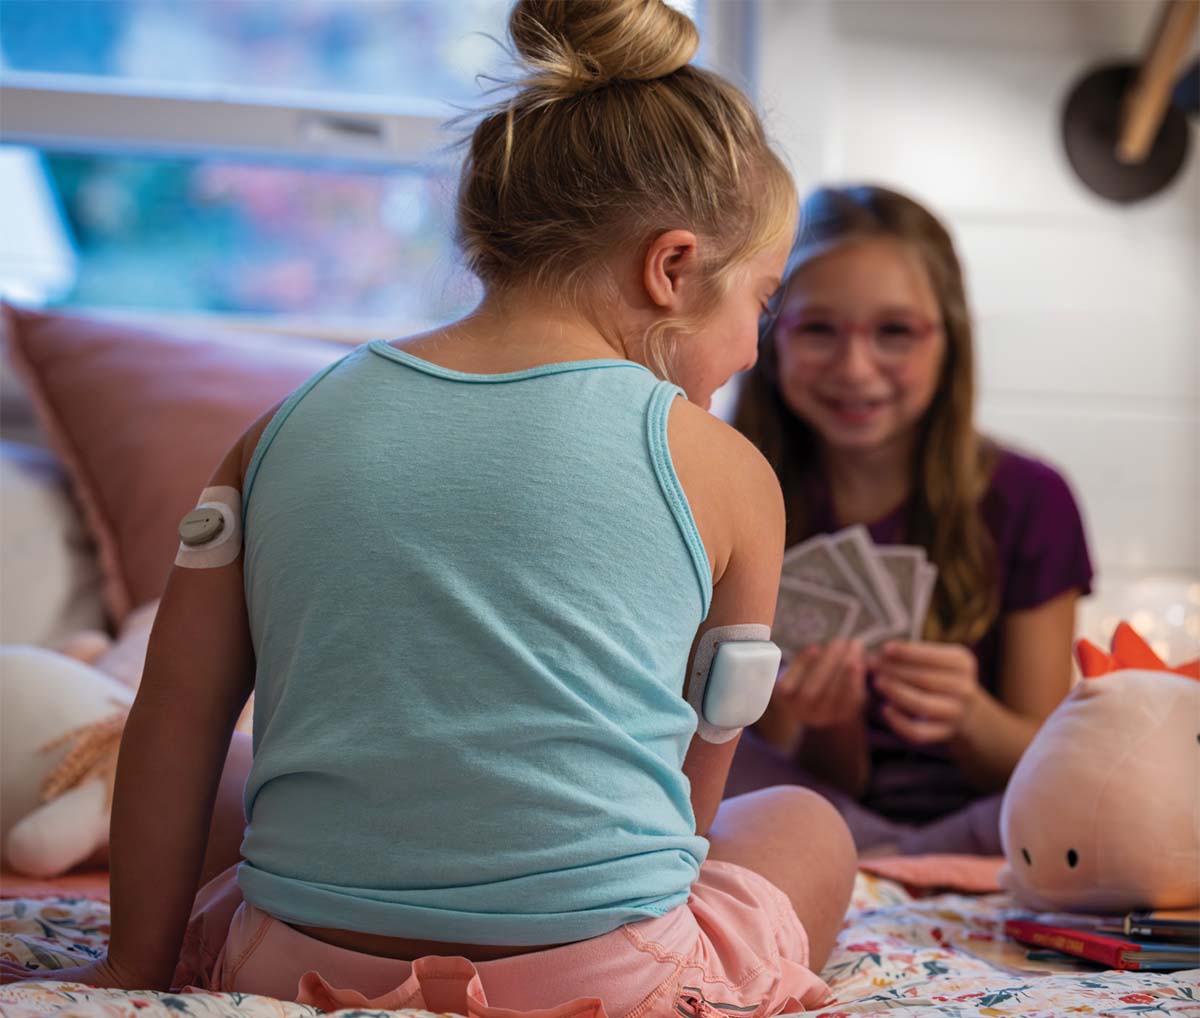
(1088,314)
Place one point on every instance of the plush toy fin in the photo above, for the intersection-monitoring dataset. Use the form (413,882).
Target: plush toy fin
(1093,662)
(1131,651)
(1189,669)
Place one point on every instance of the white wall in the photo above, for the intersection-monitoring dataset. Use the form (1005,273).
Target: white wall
(1088,314)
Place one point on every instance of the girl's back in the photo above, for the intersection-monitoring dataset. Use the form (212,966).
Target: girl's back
(490,583)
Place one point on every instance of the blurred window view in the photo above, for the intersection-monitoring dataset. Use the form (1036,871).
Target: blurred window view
(234,237)
(430,49)
(210,230)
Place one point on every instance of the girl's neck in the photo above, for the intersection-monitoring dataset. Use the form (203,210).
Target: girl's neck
(515,328)
(867,484)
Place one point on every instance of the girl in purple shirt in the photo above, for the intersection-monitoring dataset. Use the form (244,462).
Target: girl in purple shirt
(862,398)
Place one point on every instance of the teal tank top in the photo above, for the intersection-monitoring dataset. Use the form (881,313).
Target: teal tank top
(471,598)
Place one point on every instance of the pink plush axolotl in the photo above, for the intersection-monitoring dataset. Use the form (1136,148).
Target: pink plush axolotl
(1102,813)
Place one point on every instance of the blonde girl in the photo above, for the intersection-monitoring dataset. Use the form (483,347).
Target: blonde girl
(475,565)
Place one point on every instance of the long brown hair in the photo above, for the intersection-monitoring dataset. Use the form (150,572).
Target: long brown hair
(611,137)
(952,465)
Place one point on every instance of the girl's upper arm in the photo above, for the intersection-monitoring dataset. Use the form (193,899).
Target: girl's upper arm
(200,657)
(738,506)
(1036,670)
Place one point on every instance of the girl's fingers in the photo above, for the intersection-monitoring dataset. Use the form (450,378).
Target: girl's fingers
(821,699)
(794,672)
(917,703)
(915,730)
(845,693)
(832,654)
(852,687)
(924,685)
(933,682)
(938,656)
(813,689)
(785,682)
(828,673)
(819,664)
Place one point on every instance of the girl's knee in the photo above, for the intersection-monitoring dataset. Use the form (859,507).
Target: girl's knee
(815,820)
(818,877)
(804,817)
(811,810)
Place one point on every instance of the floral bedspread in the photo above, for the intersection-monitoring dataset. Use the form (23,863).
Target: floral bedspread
(937,957)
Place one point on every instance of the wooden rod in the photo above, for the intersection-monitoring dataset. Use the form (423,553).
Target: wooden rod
(1146,101)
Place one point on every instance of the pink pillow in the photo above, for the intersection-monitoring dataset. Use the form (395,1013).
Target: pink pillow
(140,417)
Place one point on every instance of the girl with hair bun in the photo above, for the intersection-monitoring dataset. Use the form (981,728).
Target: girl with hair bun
(862,398)
(476,566)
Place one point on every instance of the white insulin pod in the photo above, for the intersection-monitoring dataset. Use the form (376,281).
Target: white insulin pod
(733,674)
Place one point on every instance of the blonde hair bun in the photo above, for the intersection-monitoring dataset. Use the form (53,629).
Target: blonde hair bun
(609,135)
(574,45)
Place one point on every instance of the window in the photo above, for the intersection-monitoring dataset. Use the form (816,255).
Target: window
(415,50)
(279,157)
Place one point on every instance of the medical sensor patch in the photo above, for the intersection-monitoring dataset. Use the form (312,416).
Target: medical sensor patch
(211,534)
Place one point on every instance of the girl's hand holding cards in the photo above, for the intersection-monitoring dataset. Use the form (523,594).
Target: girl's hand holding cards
(824,684)
(929,688)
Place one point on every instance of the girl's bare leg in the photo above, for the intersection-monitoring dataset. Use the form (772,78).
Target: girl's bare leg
(799,842)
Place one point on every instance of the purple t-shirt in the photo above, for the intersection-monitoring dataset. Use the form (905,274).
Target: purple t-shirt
(1041,552)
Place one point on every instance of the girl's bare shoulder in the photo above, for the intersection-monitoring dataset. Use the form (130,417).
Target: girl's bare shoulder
(732,490)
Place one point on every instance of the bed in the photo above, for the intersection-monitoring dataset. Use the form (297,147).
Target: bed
(99,506)
(900,955)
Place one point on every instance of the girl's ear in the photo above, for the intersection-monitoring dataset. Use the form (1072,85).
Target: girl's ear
(670,263)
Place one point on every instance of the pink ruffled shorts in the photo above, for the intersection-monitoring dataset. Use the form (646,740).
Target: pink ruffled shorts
(736,948)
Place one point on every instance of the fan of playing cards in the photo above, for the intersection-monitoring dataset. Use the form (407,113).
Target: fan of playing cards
(843,586)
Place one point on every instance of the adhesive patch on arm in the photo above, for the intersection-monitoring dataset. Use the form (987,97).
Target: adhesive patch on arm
(733,674)
(211,534)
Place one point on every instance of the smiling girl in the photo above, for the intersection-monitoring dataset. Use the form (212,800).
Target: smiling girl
(862,399)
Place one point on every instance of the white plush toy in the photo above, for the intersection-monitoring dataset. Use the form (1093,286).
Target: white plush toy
(60,724)
(61,718)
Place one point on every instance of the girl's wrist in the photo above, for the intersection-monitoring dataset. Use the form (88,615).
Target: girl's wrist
(979,716)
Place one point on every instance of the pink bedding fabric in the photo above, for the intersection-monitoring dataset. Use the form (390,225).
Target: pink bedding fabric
(969,874)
